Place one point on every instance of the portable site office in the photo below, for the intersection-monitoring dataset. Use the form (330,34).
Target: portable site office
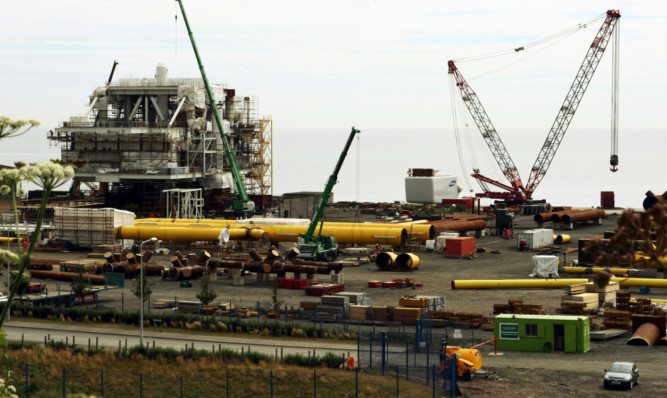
(543,333)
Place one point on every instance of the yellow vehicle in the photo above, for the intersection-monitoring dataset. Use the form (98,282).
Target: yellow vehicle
(468,360)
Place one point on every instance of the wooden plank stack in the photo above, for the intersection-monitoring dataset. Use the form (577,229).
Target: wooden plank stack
(360,312)
(381,313)
(606,294)
(407,315)
(617,319)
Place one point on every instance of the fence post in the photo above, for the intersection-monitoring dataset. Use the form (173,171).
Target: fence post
(370,341)
(427,361)
(384,350)
(397,382)
(358,348)
(27,377)
(356,394)
(407,358)
(434,379)
(418,334)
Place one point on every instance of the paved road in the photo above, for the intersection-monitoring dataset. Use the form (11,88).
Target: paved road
(111,337)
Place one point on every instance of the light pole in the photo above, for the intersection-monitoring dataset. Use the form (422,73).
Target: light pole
(141,289)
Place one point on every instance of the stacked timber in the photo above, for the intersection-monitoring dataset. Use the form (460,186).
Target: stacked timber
(382,313)
(623,300)
(360,312)
(407,315)
(84,266)
(518,307)
(434,303)
(606,294)
(330,309)
(617,319)
(579,304)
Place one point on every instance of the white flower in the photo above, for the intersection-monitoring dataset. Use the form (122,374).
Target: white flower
(8,255)
(5,189)
(21,193)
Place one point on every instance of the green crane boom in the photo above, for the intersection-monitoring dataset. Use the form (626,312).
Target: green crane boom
(243,202)
(324,248)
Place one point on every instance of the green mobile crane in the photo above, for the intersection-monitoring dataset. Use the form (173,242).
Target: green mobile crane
(323,248)
(242,205)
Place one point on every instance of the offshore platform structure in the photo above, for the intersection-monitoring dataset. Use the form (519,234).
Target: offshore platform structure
(152,146)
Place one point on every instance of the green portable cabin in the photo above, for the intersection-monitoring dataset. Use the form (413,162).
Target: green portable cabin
(542,333)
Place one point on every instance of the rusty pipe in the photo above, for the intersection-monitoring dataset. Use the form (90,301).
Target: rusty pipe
(651,200)
(258,268)
(647,334)
(460,226)
(67,276)
(255,256)
(553,216)
(584,216)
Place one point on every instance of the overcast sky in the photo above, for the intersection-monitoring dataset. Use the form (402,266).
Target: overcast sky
(330,65)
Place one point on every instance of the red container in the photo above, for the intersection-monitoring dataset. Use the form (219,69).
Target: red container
(288,283)
(389,284)
(299,283)
(607,199)
(281,282)
(461,246)
(374,283)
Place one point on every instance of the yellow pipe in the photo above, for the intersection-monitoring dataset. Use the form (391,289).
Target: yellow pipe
(407,261)
(551,283)
(385,260)
(595,270)
(5,239)
(649,263)
(171,234)
(420,232)
(273,233)
(561,238)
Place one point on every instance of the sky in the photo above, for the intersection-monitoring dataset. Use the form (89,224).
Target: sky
(316,65)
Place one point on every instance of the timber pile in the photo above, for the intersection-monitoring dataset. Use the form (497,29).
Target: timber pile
(407,315)
(606,294)
(460,319)
(617,319)
(623,300)
(381,313)
(356,298)
(518,307)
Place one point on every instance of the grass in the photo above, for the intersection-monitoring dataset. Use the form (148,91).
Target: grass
(162,374)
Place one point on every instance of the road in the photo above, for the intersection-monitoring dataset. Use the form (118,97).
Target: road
(113,337)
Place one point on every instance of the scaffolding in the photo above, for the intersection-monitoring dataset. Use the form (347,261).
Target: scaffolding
(159,132)
(184,203)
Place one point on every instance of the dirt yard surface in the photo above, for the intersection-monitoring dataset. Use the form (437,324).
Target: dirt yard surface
(517,374)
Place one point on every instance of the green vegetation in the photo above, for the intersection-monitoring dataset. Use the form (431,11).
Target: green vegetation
(164,372)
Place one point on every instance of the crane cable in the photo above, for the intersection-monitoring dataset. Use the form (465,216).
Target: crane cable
(613,160)
(557,36)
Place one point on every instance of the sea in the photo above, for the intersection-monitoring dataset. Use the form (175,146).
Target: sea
(378,161)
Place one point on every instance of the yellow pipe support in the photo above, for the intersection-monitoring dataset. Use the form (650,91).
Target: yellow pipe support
(407,261)
(551,283)
(595,270)
(421,232)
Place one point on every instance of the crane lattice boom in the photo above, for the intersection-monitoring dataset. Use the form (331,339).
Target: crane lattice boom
(572,101)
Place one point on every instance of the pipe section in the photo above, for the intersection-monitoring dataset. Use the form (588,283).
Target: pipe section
(647,334)
(583,216)
(595,270)
(551,283)
(560,239)
(407,261)
(385,260)
(68,276)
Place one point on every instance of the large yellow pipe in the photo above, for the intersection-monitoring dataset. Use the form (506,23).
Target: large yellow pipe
(419,231)
(274,233)
(550,283)
(5,239)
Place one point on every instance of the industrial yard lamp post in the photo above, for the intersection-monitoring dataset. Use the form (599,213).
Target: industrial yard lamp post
(141,288)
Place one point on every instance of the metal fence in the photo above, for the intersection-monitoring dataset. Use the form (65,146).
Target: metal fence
(68,381)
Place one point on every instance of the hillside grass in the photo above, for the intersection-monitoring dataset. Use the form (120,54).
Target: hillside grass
(166,375)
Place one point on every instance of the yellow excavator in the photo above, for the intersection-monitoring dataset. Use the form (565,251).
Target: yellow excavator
(468,360)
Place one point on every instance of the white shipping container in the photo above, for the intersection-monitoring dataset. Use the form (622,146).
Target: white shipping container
(87,227)
(431,189)
(536,238)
